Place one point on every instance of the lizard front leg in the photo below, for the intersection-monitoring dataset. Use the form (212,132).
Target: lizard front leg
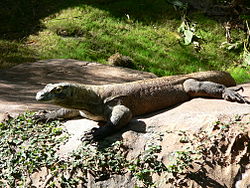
(197,88)
(119,117)
(62,113)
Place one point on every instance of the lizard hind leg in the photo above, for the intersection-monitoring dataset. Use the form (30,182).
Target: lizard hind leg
(119,117)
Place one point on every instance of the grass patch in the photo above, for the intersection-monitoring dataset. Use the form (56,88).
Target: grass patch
(146,31)
(14,52)
(241,75)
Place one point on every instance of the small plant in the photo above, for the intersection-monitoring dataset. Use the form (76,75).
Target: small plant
(121,60)
(188,30)
(183,160)
(146,165)
(100,163)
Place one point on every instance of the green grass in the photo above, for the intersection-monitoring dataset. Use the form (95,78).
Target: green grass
(13,53)
(144,30)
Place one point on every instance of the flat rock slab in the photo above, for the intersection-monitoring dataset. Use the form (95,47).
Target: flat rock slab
(19,84)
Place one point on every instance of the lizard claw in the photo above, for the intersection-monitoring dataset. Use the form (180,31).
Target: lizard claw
(97,134)
(233,96)
(89,135)
(238,89)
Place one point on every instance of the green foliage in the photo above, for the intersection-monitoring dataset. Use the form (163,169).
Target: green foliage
(240,74)
(101,163)
(146,165)
(25,147)
(182,161)
(187,29)
(152,44)
(110,160)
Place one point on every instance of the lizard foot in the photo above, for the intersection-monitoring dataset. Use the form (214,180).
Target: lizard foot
(44,116)
(233,96)
(88,136)
(41,116)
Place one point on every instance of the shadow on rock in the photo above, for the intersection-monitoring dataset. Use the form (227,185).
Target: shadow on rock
(135,125)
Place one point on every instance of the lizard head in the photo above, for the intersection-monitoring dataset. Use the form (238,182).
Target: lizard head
(54,93)
(70,96)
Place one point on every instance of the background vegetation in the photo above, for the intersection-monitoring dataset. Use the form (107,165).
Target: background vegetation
(145,30)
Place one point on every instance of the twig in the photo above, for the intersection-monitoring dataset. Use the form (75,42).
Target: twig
(49,177)
(248,34)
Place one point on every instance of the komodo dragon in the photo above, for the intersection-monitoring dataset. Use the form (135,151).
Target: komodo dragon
(116,104)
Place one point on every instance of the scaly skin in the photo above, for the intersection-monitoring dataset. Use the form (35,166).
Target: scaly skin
(116,104)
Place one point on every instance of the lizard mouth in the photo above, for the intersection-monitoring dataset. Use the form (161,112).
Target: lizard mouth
(41,97)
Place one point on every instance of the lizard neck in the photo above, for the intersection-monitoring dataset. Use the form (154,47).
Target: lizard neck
(83,98)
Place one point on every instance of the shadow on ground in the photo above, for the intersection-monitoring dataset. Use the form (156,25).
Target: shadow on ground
(21,18)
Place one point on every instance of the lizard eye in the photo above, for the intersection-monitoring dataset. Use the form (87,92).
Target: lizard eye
(58,90)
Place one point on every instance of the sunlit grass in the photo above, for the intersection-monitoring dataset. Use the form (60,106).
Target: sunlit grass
(146,31)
